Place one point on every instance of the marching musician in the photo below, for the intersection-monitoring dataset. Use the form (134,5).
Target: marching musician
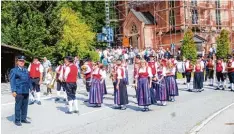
(70,77)
(197,82)
(143,85)
(230,69)
(60,70)
(219,73)
(171,84)
(120,94)
(161,90)
(88,73)
(36,73)
(210,65)
(97,87)
(188,70)
(174,62)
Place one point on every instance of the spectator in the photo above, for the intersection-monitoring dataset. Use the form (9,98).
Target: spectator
(46,64)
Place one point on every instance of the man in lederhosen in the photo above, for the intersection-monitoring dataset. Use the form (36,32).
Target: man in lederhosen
(36,73)
(70,77)
(230,69)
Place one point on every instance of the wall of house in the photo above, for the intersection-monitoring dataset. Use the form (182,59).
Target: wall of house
(206,21)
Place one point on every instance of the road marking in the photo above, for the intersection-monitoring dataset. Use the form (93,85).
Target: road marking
(196,129)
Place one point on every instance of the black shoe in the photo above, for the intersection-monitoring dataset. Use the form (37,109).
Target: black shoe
(68,112)
(117,107)
(25,121)
(39,102)
(86,100)
(143,110)
(217,88)
(223,88)
(57,99)
(64,99)
(18,124)
(190,90)
(77,112)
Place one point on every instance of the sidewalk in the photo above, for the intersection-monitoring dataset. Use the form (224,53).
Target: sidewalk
(221,124)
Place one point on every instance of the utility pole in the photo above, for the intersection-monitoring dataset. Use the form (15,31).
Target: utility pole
(107,9)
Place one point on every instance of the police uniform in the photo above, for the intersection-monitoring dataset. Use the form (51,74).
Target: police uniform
(35,71)
(20,84)
(70,76)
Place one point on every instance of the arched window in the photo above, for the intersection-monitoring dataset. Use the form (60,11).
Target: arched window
(134,29)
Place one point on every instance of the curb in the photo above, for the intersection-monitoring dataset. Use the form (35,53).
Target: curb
(196,129)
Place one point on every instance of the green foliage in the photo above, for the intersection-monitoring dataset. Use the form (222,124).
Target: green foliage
(77,37)
(94,56)
(42,27)
(188,46)
(223,44)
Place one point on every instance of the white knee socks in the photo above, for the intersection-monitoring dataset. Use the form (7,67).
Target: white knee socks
(75,104)
(70,105)
(188,85)
(58,93)
(38,94)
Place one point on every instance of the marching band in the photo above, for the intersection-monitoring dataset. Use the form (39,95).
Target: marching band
(154,81)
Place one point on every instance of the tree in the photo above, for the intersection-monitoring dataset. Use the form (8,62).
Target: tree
(188,46)
(77,37)
(223,44)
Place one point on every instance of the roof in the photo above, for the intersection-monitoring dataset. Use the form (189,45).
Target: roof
(197,39)
(12,47)
(145,17)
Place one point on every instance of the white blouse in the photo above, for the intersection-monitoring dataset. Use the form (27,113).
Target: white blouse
(119,76)
(143,70)
(101,72)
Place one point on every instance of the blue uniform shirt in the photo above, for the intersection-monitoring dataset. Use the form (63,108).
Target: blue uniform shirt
(20,81)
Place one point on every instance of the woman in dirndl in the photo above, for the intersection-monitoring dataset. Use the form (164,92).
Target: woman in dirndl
(104,81)
(171,84)
(198,82)
(125,66)
(143,85)
(96,90)
(120,94)
(161,90)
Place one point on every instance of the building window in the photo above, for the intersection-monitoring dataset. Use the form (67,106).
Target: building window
(134,29)
(194,12)
(217,13)
(172,15)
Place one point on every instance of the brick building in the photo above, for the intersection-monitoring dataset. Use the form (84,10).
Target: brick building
(162,23)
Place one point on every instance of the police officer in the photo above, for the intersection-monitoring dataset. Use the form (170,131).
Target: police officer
(20,85)
(70,78)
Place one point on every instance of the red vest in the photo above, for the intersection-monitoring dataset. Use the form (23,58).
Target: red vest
(190,66)
(88,75)
(210,65)
(34,70)
(144,74)
(219,67)
(72,76)
(198,68)
(152,66)
(97,76)
(229,64)
(122,72)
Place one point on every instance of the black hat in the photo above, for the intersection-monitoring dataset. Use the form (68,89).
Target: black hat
(138,56)
(229,57)
(69,58)
(21,57)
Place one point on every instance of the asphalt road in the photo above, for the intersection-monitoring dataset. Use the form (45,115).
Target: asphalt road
(178,117)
